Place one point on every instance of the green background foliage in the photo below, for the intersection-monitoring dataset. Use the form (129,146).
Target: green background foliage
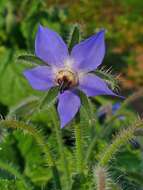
(22,160)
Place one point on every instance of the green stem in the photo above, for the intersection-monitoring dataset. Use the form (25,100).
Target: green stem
(100,178)
(14,124)
(120,140)
(101,135)
(90,149)
(107,129)
(79,150)
(61,150)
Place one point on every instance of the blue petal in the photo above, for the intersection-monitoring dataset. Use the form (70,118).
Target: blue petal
(50,47)
(92,85)
(68,106)
(40,78)
(88,55)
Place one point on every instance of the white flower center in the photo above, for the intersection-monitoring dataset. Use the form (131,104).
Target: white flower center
(66,79)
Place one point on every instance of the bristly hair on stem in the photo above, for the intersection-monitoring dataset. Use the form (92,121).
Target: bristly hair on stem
(29,60)
(102,179)
(79,148)
(121,139)
(64,161)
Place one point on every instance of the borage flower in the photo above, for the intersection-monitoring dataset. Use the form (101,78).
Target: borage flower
(109,110)
(69,71)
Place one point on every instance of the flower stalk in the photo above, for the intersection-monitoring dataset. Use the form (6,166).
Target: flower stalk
(100,178)
(120,140)
(61,149)
(79,148)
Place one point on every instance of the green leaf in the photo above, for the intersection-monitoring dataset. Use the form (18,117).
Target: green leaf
(74,37)
(6,184)
(13,86)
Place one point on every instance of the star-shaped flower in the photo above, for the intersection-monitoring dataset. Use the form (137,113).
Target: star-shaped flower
(69,71)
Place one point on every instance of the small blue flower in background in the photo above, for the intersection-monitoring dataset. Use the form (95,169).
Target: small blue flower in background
(109,110)
(115,107)
(69,71)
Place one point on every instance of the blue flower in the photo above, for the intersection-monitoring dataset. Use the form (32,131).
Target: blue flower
(69,71)
(109,110)
(115,107)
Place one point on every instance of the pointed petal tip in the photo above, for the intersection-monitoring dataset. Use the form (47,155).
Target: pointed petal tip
(25,73)
(56,51)
(68,109)
(101,32)
(122,97)
(40,26)
(62,126)
(90,52)
(116,95)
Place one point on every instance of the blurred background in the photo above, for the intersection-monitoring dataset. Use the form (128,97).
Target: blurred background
(123,21)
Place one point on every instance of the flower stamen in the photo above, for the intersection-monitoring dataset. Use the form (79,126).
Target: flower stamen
(66,79)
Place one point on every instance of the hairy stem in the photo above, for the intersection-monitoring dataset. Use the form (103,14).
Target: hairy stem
(79,150)
(61,149)
(90,148)
(100,178)
(124,136)
(103,180)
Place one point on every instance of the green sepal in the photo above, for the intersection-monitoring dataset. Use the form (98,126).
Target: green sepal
(30,60)
(49,98)
(86,110)
(74,37)
(108,77)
